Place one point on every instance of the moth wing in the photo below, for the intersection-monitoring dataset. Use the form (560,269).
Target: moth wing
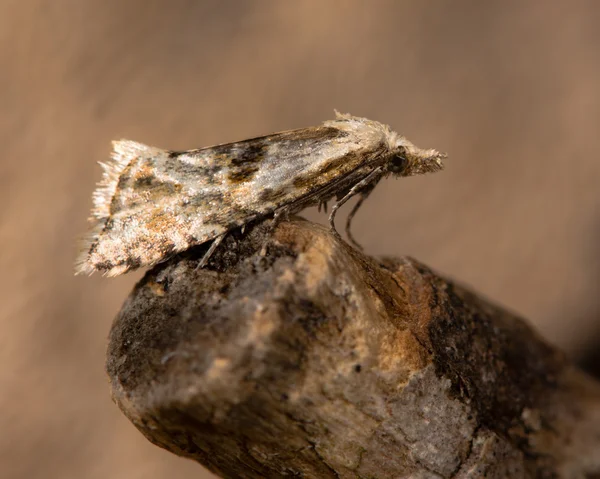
(135,222)
(255,177)
(152,203)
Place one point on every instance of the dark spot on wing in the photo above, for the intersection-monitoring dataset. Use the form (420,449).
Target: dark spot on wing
(143,182)
(242,173)
(305,181)
(228,217)
(124,179)
(271,195)
(252,153)
(254,147)
(244,158)
(183,170)
(131,262)
(319,133)
(310,135)
(156,188)
(109,224)
(104,265)
(203,200)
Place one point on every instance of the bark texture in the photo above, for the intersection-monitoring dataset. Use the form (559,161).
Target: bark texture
(317,361)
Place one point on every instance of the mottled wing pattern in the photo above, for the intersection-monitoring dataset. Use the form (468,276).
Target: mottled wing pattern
(153,203)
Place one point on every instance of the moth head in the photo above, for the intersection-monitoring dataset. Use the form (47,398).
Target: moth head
(409,160)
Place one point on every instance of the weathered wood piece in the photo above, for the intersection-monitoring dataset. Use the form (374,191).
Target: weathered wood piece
(317,361)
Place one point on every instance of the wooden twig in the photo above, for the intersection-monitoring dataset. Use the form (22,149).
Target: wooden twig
(317,361)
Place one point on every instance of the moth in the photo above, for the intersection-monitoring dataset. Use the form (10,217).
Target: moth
(153,203)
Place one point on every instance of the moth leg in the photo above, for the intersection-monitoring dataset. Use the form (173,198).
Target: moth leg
(213,247)
(364,194)
(281,213)
(322,206)
(375,174)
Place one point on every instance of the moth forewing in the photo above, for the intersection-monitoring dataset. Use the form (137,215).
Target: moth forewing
(153,203)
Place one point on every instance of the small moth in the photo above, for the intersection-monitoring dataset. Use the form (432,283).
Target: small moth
(153,203)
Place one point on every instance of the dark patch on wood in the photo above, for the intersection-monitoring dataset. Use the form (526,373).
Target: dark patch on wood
(312,315)
(489,337)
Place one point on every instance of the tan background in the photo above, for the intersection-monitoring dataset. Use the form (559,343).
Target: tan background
(509,89)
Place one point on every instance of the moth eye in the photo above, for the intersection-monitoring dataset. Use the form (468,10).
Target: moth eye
(398,163)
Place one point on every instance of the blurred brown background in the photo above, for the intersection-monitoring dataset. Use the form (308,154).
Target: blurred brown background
(509,89)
